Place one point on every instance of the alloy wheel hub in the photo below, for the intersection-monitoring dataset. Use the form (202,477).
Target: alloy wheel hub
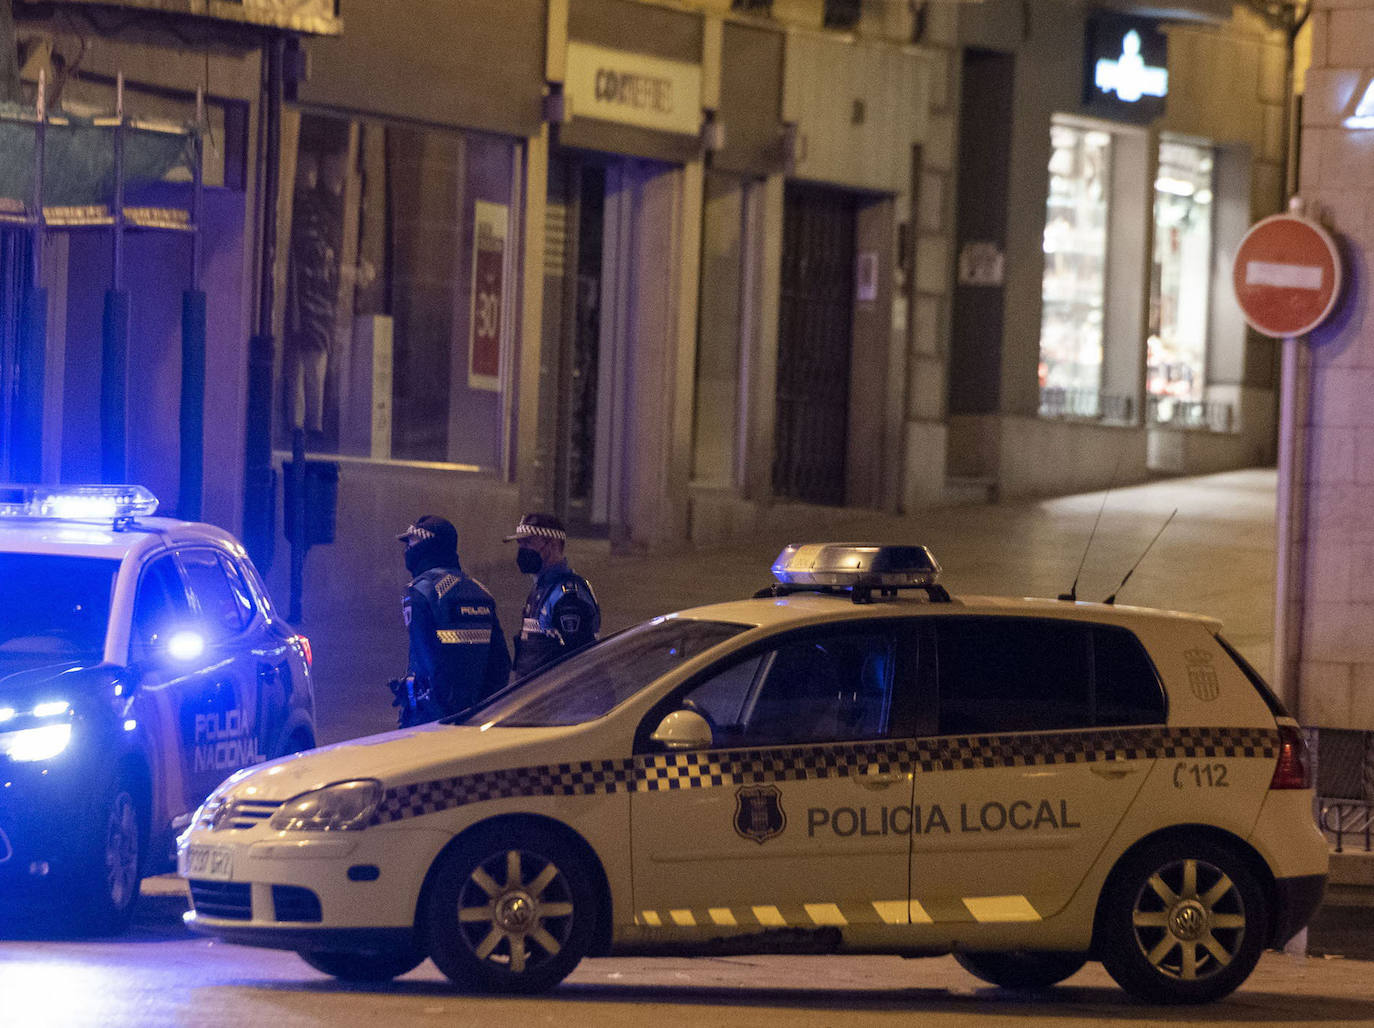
(516,912)
(1188,920)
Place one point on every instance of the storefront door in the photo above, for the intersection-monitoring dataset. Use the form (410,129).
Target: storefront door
(610,258)
(815,335)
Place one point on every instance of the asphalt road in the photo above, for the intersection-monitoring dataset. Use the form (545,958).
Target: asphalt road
(158,974)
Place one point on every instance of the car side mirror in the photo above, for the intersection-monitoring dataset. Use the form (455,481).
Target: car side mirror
(683,730)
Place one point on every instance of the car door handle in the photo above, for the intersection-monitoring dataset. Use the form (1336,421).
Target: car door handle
(1114,772)
(871,780)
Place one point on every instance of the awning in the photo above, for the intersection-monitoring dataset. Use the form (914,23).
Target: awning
(78,157)
(313,17)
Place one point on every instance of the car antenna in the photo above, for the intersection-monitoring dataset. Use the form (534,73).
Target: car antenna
(1072,594)
(1112,598)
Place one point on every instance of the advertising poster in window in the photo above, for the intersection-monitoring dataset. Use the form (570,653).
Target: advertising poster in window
(488,266)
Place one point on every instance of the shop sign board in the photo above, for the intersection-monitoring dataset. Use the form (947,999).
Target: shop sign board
(633,89)
(1126,73)
(488,295)
(1287,276)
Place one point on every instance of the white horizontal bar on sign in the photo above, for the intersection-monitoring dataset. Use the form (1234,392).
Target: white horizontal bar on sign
(1283,276)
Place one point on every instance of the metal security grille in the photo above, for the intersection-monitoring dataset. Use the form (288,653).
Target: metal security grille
(1345,764)
(15,270)
(814,343)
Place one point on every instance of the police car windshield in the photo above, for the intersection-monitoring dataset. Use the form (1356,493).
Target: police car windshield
(591,683)
(54,607)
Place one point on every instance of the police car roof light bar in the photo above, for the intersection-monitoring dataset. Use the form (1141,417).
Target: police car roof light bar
(118,504)
(859,569)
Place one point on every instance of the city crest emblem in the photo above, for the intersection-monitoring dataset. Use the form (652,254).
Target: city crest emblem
(758,812)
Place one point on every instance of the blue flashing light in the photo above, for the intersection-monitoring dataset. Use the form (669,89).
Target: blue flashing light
(77,503)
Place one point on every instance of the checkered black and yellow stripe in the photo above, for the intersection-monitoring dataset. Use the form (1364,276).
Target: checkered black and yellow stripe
(705,769)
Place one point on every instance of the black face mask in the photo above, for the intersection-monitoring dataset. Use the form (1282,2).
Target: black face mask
(415,559)
(528,560)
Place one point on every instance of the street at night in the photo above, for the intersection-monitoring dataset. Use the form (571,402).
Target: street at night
(160,975)
(613,512)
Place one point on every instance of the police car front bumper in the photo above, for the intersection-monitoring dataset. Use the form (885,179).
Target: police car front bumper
(349,940)
(303,890)
(43,809)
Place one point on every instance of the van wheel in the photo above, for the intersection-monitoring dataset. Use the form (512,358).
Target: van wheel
(1021,969)
(510,911)
(1182,922)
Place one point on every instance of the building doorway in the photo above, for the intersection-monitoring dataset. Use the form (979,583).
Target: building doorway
(610,263)
(815,341)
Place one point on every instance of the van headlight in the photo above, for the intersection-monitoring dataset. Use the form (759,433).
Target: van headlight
(41,743)
(341,807)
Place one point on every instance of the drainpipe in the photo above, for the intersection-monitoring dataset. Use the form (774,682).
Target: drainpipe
(259,487)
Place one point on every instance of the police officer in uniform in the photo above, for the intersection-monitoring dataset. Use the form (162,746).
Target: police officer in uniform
(560,612)
(458,652)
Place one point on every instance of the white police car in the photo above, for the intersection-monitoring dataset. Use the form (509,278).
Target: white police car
(837,764)
(140,662)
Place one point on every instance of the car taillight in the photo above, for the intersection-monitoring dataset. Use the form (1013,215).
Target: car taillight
(1294,770)
(305,646)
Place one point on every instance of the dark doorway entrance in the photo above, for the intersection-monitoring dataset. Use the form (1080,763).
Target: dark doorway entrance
(975,359)
(577,201)
(815,332)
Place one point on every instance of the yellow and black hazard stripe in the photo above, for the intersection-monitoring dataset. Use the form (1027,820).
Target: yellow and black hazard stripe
(707,769)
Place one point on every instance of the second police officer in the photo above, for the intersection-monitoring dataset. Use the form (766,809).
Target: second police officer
(560,613)
(458,653)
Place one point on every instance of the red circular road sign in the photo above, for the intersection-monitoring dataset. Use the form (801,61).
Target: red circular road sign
(1287,275)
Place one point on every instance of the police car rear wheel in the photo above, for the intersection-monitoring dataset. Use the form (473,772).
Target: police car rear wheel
(1183,923)
(1022,970)
(510,911)
(363,967)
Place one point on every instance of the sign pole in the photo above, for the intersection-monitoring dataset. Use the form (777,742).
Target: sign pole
(1287,278)
(1288,526)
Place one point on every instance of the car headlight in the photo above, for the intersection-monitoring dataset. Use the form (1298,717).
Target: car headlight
(341,807)
(41,743)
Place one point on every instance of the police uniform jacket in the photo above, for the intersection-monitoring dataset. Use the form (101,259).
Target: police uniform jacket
(560,615)
(457,647)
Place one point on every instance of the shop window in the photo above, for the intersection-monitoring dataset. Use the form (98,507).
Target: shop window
(397,334)
(1181,275)
(1073,290)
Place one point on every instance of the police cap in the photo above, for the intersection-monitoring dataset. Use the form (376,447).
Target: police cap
(538,526)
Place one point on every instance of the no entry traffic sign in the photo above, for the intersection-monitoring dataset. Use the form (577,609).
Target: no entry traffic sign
(1287,275)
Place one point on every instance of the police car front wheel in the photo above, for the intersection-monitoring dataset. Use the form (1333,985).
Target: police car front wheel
(363,967)
(1182,922)
(510,910)
(1022,970)
(110,876)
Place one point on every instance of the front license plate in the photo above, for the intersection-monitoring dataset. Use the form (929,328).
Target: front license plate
(213,862)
